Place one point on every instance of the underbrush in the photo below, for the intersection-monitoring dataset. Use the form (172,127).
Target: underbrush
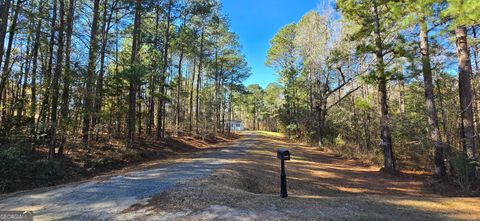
(20,167)
(464,171)
(373,157)
(415,159)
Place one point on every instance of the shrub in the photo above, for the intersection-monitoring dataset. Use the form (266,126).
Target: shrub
(292,131)
(46,170)
(102,163)
(132,155)
(463,170)
(13,164)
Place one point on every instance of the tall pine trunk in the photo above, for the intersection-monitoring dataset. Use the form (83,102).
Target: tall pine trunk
(47,71)
(161,112)
(90,80)
(67,75)
(197,100)
(55,82)
(33,86)
(466,93)
(190,119)
(106,20)
(4,12)
(132,93)
(179,91)
(152,83)
(385,134)
(25,75)
(431,110)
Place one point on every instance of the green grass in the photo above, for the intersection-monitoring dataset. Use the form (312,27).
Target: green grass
(268,133)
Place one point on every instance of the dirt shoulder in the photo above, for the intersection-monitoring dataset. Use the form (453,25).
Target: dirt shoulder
(321,187)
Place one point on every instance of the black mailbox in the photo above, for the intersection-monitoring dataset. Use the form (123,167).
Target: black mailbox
(283,154)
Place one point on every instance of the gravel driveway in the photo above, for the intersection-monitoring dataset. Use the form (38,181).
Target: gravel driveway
(105,199)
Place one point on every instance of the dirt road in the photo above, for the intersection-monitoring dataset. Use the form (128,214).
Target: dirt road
(321,186)
(105,198)
(240,182)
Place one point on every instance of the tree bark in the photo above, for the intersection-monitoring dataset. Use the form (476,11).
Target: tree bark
(366,122)
(152,83)
(431,109)
(139,108)
(55,82)
(67,75)
(161,116)
(6,63)
(25,74)
(179,91)
(401,96)
(106,20)
(197,100)
(190,125)
(465,91)
(385,135)
(33,87)
(4,12)
(132,97)
(47,72)
(92,58)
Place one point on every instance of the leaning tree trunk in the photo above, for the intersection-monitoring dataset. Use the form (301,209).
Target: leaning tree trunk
(6,63)
(439,162)
(465,91)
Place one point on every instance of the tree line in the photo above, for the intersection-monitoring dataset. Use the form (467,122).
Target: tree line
(89,70)
(383,79)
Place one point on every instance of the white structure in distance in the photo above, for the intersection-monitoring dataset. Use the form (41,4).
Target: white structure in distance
(234,125)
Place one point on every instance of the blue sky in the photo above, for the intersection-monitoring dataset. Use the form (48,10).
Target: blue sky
(256,22)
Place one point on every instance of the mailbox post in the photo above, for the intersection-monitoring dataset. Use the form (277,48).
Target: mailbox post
(283,155)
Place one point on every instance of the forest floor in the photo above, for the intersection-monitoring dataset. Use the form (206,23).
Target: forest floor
(239,181)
